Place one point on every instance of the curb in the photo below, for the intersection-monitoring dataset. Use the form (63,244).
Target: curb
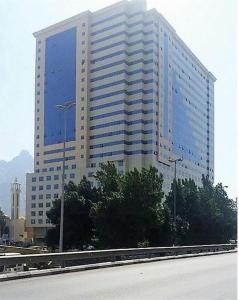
(55,271)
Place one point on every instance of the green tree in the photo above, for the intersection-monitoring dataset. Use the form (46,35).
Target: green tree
(143,196)
(187,206)
(2,222)
(228,214)
(88,192)
(205,215)
(218,213)
(78,226)
(108,178)
(129,211)
(130,208)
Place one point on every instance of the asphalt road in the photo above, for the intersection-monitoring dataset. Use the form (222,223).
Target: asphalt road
(199,278)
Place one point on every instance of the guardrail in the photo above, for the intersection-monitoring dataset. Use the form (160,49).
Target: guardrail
(86,257)
(21,250)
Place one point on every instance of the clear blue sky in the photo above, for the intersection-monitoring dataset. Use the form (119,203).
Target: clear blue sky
(207,27)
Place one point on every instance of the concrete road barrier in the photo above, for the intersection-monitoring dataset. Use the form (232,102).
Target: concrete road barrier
(67,259)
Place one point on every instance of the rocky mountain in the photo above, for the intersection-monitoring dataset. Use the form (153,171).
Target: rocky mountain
(9,170)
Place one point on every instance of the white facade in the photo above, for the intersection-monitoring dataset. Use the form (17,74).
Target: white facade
(141,96)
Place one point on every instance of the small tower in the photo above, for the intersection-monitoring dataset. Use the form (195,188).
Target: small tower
(15,199)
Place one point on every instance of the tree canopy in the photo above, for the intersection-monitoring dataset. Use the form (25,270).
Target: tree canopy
(130,207)
(205,215)
(131,210)
(2,222)
(78,225)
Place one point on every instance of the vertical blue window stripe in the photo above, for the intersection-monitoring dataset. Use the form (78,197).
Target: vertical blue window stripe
(208,132)
(60,85)
(165,102)
(184,140)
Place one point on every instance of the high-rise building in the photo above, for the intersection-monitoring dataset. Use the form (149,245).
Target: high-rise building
(141,98)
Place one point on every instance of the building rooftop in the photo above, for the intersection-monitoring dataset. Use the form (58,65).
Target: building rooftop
(142,5)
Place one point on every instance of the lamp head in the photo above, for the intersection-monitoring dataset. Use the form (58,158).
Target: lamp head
(173,160)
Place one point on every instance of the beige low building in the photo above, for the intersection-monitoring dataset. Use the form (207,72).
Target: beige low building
(17,231)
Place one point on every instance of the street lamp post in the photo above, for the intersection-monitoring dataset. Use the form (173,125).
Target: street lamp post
(223,215)
(64,108)
(175,197)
